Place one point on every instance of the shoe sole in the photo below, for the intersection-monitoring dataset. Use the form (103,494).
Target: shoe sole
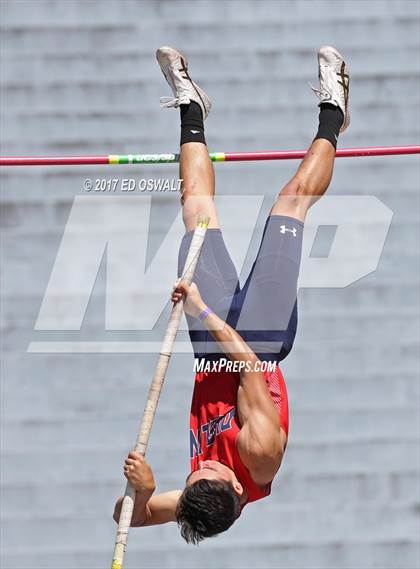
(201,94)
(345,81)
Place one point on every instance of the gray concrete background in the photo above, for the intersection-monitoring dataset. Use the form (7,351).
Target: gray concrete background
(80,77)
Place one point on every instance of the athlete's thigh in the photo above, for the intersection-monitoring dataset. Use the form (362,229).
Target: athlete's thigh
(268,311)
(217,280)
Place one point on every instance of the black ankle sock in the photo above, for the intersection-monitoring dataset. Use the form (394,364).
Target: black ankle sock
(192,125)
(330,120)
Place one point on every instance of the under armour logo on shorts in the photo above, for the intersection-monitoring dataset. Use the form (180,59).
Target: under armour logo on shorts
(283,229)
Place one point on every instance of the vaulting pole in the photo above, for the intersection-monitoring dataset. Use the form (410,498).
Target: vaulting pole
(155,390)
(215,156)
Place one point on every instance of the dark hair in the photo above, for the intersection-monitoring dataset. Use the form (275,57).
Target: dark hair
(206,508)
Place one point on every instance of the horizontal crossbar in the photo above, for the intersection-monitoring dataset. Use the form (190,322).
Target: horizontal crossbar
(215,156)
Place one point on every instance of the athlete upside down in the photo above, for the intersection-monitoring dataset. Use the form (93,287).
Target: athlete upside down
(239,419)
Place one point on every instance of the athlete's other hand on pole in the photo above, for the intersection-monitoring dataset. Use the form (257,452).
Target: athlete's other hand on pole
(193,303)
(139,473)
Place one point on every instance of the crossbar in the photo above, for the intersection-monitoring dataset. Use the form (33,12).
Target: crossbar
(115,159)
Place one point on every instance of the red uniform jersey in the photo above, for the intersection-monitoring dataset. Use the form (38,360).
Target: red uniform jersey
(215,425)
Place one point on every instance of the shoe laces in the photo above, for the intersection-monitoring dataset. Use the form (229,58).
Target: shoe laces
(169,102)
(327,83)
(321,94)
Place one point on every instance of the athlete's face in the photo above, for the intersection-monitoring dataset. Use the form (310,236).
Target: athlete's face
(213,470)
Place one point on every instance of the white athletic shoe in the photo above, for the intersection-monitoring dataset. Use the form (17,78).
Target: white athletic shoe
(174,66)
(334,81)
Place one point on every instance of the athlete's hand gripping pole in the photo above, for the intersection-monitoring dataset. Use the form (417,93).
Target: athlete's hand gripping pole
(155,390)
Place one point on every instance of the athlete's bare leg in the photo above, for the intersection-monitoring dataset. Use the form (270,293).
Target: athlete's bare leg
(197,172)
(309,183)
(314,173)
(195,167)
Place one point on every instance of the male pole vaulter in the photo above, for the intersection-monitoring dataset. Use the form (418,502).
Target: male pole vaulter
(239,413)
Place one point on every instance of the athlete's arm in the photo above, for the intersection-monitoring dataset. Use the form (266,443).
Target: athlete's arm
(261,442)
(148,509)
(158,509)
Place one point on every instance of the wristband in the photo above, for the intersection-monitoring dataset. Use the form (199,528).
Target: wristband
(204,313)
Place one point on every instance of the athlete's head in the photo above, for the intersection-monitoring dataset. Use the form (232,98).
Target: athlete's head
(210,502)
